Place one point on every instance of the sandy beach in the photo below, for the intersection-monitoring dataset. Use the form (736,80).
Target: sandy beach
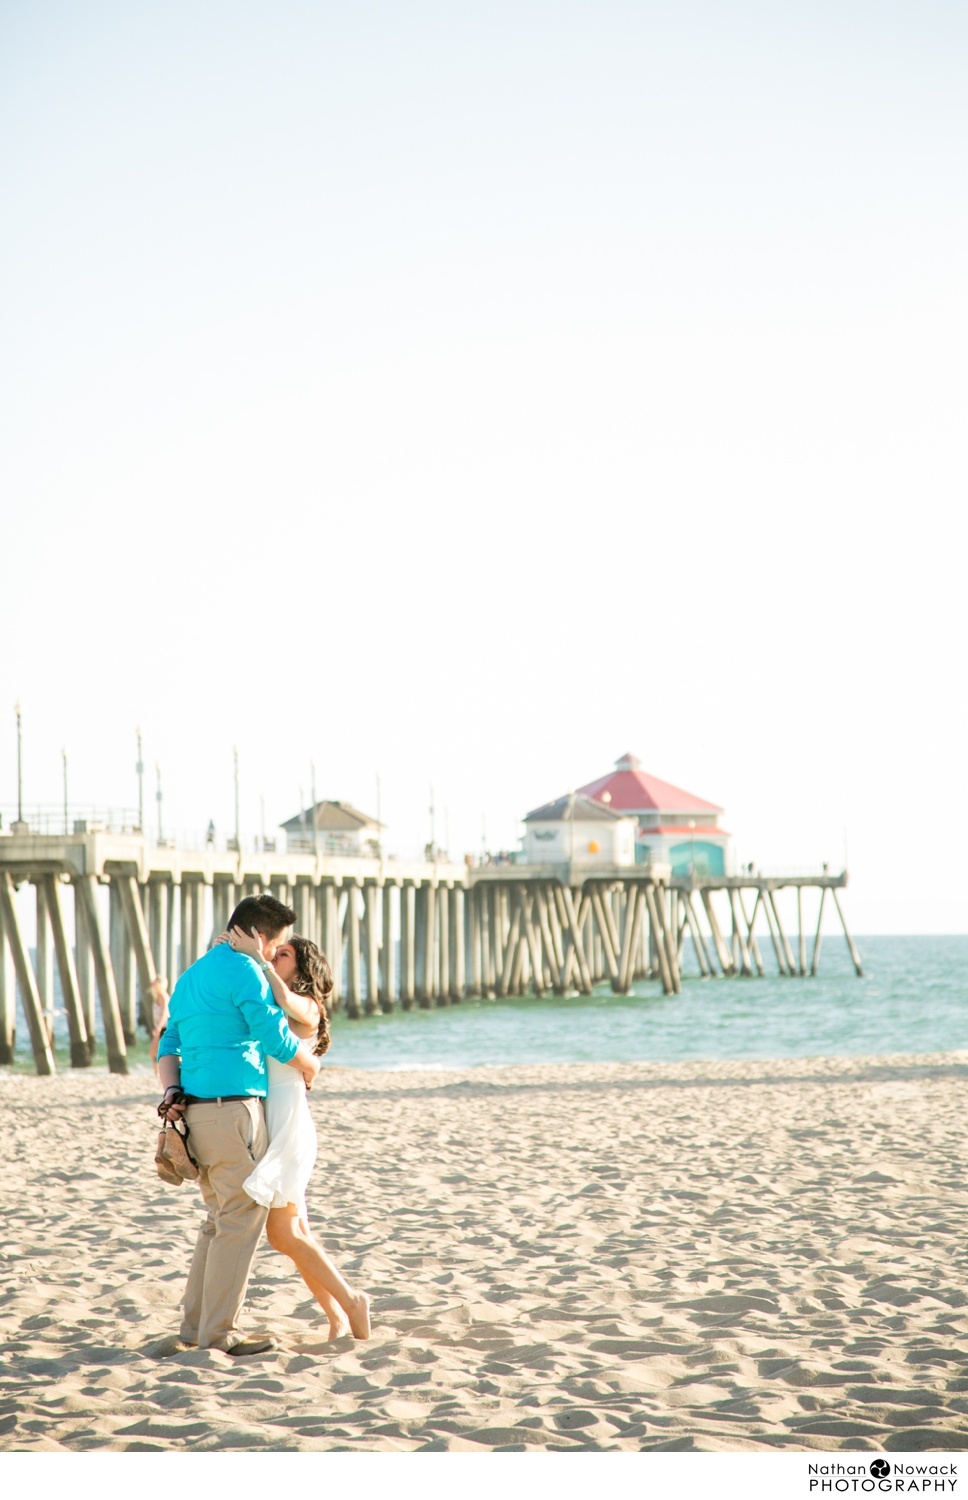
(712,1256)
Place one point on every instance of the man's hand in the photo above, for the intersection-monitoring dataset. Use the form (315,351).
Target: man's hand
(172,1106)
(306,1064)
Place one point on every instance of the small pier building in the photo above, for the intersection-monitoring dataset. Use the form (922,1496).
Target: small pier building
(580,831)
(333,828)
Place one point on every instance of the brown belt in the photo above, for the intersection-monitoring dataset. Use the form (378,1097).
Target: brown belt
(221,1099)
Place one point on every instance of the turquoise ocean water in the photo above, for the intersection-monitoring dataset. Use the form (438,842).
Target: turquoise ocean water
(913,998)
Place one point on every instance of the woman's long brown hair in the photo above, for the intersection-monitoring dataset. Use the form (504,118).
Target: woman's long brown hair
(313,977)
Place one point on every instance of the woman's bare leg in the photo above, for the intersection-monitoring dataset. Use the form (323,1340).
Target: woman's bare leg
(338,1322)
(339,1325)
(291,1236)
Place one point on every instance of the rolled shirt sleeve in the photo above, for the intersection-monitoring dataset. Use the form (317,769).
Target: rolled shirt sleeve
(265,1021)
(170,1043)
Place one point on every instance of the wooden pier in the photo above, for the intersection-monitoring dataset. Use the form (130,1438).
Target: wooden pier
(396,934)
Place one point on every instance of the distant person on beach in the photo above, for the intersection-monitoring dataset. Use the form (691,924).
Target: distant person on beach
(301,982)
(158,992)
(222,1024)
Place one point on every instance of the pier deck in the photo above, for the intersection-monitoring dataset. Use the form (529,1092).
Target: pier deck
(396,933)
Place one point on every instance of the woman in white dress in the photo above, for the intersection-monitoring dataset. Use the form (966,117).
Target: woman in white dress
(301,981)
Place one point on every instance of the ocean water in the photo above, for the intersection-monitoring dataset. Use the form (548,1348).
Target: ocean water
(913,997)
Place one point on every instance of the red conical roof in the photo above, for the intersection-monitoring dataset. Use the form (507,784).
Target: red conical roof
(632,790)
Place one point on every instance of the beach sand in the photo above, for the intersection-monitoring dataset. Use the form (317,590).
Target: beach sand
(715,1256)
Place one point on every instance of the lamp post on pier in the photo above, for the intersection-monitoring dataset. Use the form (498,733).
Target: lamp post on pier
(235,755)
(158,799)
(140,770)
(20,826)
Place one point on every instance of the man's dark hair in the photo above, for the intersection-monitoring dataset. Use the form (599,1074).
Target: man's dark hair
(264,913)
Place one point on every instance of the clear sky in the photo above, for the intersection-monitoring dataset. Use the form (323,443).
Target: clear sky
(468,393)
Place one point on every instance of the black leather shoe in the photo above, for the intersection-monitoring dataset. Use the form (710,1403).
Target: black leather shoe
(252,1346)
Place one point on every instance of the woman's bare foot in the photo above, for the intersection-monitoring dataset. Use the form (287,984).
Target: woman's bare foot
(359,1316)
(338,1324)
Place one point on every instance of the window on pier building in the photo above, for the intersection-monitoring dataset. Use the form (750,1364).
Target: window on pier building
(699,857)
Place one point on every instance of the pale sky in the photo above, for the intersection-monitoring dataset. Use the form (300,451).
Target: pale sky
(469,393)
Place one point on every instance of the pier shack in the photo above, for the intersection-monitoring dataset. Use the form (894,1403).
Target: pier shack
(116,909)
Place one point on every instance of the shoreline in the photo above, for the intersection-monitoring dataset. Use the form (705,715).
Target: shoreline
(753,1254)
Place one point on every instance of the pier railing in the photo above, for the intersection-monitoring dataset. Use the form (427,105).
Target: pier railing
(396,933)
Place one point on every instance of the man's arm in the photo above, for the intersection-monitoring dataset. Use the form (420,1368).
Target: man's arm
(169,1067)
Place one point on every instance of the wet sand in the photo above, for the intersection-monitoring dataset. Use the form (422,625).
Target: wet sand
(715,1256)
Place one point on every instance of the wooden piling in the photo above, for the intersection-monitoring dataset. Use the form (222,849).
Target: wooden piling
(500,924)
(576,953)
(511,950)
(370,898)
(427,990)
(84,968)
(774,937)
(722,952)
(44,957)
(658,934)
(544,926)
(331,936)
(855,956)
(520,966)
(122,962)
(476,985)
(816,942)
(667,938)
(735,906)
(408,944)
(76,1024)
(8,999)
(354,961)
(443,944)
(85,889)
(134,916)
(458,979)
(388,982)
(605,932)
(753,945)
(555,913)
(423,951)
(491,978)
(698,943)
(625,961)
(787,950)
(29,998)
(534,948)
(638,915)
(801,940)
(679,926)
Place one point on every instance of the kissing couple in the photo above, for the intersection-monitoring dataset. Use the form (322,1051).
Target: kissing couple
(247,1026)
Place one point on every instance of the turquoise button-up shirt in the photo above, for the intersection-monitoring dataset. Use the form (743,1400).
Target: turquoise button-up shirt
(222,1021)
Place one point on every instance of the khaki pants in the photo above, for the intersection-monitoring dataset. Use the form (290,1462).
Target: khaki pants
(226,1141)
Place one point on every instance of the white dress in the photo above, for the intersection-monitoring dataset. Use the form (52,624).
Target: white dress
(283,1174)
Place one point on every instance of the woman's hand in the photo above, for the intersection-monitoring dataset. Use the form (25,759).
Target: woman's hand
(223,937)
(248,943)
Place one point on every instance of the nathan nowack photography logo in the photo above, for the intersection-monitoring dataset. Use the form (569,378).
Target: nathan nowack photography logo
(883,1475)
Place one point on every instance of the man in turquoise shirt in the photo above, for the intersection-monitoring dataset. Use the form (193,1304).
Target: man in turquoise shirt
(211,1058)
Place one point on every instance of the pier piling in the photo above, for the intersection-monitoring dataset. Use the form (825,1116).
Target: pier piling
(463,932)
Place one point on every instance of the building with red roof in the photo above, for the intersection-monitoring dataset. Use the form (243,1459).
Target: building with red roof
(674,827)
